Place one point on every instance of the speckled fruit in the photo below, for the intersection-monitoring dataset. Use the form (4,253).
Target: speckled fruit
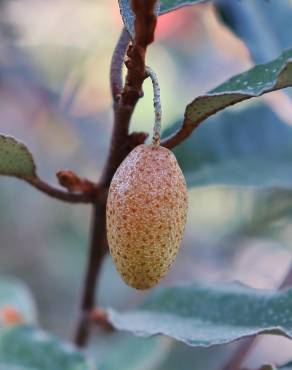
(146,215)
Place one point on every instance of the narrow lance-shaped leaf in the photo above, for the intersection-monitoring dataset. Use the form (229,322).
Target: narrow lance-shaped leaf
(181,356)
(167,6)
(245,147)
(134,353)
(273,367)
(204,315)
(163,6)
(33,349)
(257,81)
(285,367)
(15,159)
(262,25)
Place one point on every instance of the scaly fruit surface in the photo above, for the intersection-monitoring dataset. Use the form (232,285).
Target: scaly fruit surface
(146,215)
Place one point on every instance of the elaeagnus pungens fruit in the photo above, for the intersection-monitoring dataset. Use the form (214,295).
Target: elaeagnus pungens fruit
(146,215)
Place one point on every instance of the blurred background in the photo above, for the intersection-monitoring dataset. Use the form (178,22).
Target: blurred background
(55,97)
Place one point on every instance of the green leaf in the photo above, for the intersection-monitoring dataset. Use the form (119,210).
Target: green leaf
(14,293)
(181,356)
(247,147)
(33,349)
(164,6)
(159,353)
(257,81)
(15,159)
(285,367)
(135,354)
(170,5)
(203,315)
(272,367)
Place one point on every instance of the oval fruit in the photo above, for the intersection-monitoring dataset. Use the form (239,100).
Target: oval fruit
(146,215)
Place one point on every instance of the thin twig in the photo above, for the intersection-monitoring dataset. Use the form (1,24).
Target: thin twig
(157,105)
(60,194)
(97,252)
(247,344)
(121,144)
(117,63)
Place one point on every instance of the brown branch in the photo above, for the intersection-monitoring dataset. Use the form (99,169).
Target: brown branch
(96,253)
(121,144)
(247,344)
(117,63)
(60,194)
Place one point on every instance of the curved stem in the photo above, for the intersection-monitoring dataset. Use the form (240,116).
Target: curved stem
(157,105)
(60,194)
(117,63)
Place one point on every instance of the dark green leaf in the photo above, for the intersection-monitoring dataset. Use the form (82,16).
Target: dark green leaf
(15,159)
(255,82)
(183,357)
(14,293)
(164,6)
(272,367)
(285,367)
(135,354)
(34,349)
(204,315)
(159,353)
(249,147)
(170,5)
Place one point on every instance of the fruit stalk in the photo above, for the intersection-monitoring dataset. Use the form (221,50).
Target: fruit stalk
(157,105)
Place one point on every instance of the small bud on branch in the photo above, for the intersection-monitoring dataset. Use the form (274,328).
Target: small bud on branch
(73,183)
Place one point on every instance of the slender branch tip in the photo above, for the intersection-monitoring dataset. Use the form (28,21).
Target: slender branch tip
(60,194)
